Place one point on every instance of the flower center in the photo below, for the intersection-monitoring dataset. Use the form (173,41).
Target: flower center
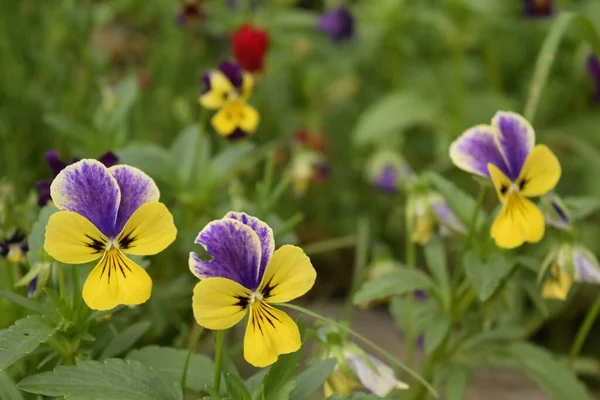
(255,297)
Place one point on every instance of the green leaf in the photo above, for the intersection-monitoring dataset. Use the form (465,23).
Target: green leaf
(435,331)
(169,362)
(22,338)
(235,387)
(312,378)
(392,114)
(353,396)
(255,382)
(124,340)
(112,379)
(435,256)
(460,202)
(552,375)
(67,127)
(486,275)
(38,233)
(581,207)
(190,153)
(22,301)
(226,161)
(152,159)
(457,379)
(8,388)
(397,282)
(280,380)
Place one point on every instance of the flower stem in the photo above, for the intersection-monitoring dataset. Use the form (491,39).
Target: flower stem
(191,350)
(411,259)
(10,276)
(360,263)
(584,329)
(325,246)
(218,359)
(382,352)
(62,289)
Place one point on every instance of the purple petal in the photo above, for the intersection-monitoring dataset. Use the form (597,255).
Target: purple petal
(538,8)
(586,266)
(515,139)
(108,159)
(237,134)
(475,149)
(32,287)
(420,295)
(593,65)
(379,380)
(205,82)
(235,250)
(445,216)
(555,212)
(265,235)
(233,72)
(43,188)
(387,181)
(54,162)
(338,23)
(136,188)
(88,188)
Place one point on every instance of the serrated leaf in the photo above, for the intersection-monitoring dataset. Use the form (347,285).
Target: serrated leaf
(280,380)
(486,275)
(169,362)
(581,207)
(235,387)
(552,375)
(8,388)
(124,340)
(394,113)
(22,338)
(459,201)
(312,378)
(113,379)
(396,282)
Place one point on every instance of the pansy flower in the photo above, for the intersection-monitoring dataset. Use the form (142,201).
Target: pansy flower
(505,152)
(338,23)
(555,212)
(568,264)
(107,213)
(14,248)
(305,167)
(56,165)
(189,11)
(227,90)
(387,171)
(250,45)
(246,277)
(427,210)
(538,8)
(358,370)
(593,65)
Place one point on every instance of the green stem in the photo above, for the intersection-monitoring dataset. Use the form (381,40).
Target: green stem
(218,359)
(75,295)
(62,289)
(10,276)
(584,329)
(382,352)
(478,207)
(191,350)
(325,246)
(411,260)
(360,262)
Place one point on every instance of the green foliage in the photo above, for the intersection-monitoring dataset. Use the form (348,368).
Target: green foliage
(8,388)
(112,379)
(399,281)
(22,338)
(125,340)
(312,378)
(486,275)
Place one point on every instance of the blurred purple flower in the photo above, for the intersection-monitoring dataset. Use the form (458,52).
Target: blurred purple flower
(56,165)
(338,22)
(388,180)
(593,65)
(232,71)
(32,286)
(189,12)
(14,247)
(539,8)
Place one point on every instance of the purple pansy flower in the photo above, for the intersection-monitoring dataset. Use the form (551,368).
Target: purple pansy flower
(387,171)
(56,165)
(32,288)
(568,264)
(593,65)
(14,247)
(538,8)
(338,22)
(555,212)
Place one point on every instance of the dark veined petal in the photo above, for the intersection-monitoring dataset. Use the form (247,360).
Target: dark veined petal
(219,303)
(235,250)
(136,189)
(515,139)
(88,188)
(475,149)
(269,333)
(149,231)
(72,239)
(116,280)
(288,276)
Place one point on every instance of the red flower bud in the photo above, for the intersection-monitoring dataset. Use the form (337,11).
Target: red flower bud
(249,47)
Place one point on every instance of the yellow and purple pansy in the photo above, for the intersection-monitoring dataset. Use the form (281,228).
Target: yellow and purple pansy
(14,247)
(428,209)
(227,89)
(107,213)
(568,264)
(387,171)
(246,276)
(505,152)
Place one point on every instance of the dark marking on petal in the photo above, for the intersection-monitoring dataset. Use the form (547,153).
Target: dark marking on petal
(95,244)
(503,189)
(242,301)
(522,183)
(125,241)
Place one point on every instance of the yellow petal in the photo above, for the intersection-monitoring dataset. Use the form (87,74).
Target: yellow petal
(541,172)
(116,280)
(288,275)
(519,221)
(500,181)
(148,231)
(249,119)
(72,239)
(219,303)
(422,231)
(558,285)
(270,332)
(226,120)
(247,85)
(220,89)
